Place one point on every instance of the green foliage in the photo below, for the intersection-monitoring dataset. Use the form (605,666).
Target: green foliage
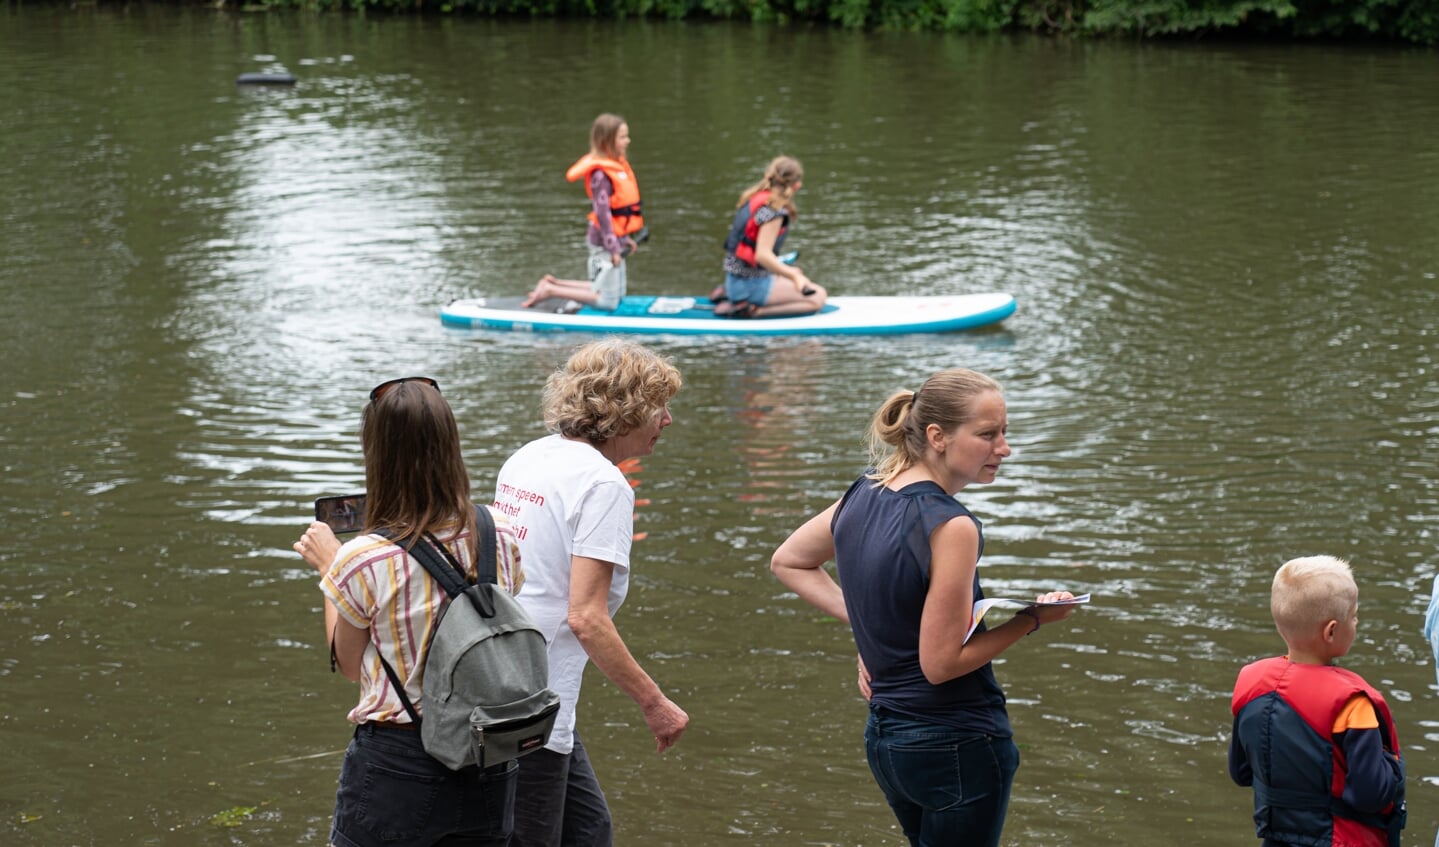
(1168,17)
(1051,15)
(1407,20)
(1411,20)
(944,15)
(1415,21)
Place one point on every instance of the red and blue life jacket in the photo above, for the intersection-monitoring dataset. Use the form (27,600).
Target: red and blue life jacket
(1285,713)
(744,231)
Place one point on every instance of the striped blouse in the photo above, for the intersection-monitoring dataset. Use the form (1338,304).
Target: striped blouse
(375,586)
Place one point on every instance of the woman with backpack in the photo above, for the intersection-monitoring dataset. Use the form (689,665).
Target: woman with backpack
(381,607)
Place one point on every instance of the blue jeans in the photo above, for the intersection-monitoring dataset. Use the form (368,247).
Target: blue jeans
(394,794)
(945,786)
(754,289)
(559,802)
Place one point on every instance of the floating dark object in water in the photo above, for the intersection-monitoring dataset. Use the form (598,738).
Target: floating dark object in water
(265,79)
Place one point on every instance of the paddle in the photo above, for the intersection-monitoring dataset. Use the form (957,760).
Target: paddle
(639,237)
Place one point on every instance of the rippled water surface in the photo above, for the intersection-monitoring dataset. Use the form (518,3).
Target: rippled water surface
(1225,260)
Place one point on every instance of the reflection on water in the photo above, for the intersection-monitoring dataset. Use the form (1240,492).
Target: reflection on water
(1223,357)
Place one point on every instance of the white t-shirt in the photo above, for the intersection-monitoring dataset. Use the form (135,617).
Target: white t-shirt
(563,499)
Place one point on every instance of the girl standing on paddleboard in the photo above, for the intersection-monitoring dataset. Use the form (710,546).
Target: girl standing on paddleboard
(616,223)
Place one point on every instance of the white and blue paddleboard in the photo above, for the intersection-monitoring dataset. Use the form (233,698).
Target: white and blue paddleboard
(695,316)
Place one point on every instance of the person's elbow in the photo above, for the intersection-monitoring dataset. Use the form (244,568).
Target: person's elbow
(786,566)
(586,623)
(1239,771)
(1373,803)
(780,562)
(778,565)
(938,670)
(1376,797)
(347,649)
(347,663)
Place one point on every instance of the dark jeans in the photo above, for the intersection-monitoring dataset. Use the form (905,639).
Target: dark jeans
(394,794)
(946,787)
(559,802)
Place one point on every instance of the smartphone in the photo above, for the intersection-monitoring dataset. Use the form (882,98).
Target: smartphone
(344,513)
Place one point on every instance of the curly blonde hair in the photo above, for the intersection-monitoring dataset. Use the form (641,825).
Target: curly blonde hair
(607,389)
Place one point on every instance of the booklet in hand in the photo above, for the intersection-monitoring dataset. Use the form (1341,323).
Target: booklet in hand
(1009,603)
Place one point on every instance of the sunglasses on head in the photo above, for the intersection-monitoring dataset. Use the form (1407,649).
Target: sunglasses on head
(384,388)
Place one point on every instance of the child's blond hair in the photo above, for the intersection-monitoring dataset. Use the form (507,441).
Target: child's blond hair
(603,134)
(1309,592)
(781,176)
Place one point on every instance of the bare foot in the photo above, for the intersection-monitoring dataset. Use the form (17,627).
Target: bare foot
(543,289)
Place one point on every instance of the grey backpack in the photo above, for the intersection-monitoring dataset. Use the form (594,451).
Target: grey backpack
(485,683)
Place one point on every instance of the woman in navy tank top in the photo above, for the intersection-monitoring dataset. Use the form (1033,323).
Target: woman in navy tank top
(907,552)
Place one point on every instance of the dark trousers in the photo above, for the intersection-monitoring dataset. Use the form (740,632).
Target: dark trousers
(558,802)
(394,794)
(947,788)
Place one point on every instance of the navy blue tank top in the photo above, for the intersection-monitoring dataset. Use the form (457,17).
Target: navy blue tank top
(881,543)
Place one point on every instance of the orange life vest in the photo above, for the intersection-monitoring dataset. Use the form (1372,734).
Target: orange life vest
(625,210)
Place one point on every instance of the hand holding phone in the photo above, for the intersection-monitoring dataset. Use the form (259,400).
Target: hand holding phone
(343,513)
(318,547)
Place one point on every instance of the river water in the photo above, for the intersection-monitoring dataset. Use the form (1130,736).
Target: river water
(1224,355)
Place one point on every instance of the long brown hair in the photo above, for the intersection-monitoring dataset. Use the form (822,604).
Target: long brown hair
(415,477)
(603,133)
(897,438)
(780,178)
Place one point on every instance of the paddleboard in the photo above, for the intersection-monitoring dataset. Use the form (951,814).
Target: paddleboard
(671,315)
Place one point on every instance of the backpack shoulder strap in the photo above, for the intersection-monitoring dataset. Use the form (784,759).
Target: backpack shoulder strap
(423,554)
(440,564)
(448,572)
(434,558)
(400,690)
(486,541)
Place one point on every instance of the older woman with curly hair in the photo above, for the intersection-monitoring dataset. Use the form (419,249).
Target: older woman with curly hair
(573,512)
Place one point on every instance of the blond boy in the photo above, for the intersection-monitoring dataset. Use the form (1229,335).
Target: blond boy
(1316,741)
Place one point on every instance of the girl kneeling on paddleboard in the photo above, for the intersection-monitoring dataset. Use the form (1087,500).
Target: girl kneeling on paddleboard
(762,219)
